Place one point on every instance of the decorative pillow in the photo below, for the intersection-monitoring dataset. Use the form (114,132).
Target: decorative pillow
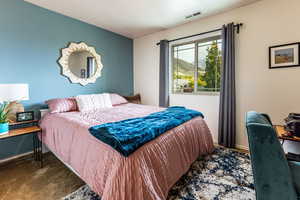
(93,101)
(117,99)
(62,105)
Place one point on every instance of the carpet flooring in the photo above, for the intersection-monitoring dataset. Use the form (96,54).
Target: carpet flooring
(25,180)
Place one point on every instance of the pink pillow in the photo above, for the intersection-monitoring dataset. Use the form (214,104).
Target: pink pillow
(62,105)
(117,99)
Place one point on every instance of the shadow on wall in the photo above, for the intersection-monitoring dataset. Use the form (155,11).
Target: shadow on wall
(36,108)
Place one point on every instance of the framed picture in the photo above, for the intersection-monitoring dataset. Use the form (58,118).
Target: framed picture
(286,55)
(25,116)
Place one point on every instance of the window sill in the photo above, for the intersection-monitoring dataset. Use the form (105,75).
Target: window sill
(197,93)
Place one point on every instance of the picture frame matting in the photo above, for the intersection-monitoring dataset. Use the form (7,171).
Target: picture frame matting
(283,56)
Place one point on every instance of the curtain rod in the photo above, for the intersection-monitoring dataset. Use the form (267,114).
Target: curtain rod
(212,31)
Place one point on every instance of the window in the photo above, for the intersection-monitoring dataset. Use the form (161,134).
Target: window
(196,66)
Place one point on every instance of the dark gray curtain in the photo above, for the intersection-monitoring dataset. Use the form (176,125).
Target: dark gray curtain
(227,113)
(90,67)
(164,74)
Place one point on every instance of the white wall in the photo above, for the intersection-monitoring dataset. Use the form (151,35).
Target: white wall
(266,23)
(208,105)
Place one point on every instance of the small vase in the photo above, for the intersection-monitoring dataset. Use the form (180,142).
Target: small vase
(4,128)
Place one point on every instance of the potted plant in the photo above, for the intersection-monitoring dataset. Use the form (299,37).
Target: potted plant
(4,126)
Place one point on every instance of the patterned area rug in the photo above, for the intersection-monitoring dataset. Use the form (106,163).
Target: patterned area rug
(225,175)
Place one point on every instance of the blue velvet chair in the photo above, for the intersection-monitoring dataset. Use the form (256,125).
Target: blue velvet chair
(275,178)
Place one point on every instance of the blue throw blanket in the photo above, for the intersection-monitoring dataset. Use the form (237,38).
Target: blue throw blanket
(128,135)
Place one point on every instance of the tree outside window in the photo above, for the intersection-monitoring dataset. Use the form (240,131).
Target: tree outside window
(196,66)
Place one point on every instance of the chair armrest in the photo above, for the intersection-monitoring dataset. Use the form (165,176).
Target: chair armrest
(295,171)
(267,117)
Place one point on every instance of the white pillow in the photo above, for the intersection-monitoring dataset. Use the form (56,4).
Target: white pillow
(93,101)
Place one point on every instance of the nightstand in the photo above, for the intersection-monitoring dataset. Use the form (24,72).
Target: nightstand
(25,128)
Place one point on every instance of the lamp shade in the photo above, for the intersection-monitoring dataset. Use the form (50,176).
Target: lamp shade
(14,92)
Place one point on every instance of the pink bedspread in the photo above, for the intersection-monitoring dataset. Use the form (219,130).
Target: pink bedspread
(147,174)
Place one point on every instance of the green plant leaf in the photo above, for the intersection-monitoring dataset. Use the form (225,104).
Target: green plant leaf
(4,112)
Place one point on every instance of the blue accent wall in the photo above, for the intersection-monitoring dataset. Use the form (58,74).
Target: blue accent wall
(30,41)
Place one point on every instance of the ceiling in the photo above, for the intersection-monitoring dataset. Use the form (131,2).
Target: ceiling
(135,18)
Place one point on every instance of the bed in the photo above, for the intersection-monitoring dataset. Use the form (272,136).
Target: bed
(147,174)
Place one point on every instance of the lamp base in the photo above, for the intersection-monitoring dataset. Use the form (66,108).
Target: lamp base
(14,107)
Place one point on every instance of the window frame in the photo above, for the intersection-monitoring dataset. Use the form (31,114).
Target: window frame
(196,42)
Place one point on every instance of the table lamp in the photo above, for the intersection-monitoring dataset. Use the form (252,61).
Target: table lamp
(13,93)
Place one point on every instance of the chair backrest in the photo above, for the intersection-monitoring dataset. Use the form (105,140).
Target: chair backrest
(272,176)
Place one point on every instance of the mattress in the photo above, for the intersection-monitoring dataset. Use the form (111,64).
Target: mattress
(147,174)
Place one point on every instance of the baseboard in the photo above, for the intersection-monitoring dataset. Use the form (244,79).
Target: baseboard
(19,156)
(242,147)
